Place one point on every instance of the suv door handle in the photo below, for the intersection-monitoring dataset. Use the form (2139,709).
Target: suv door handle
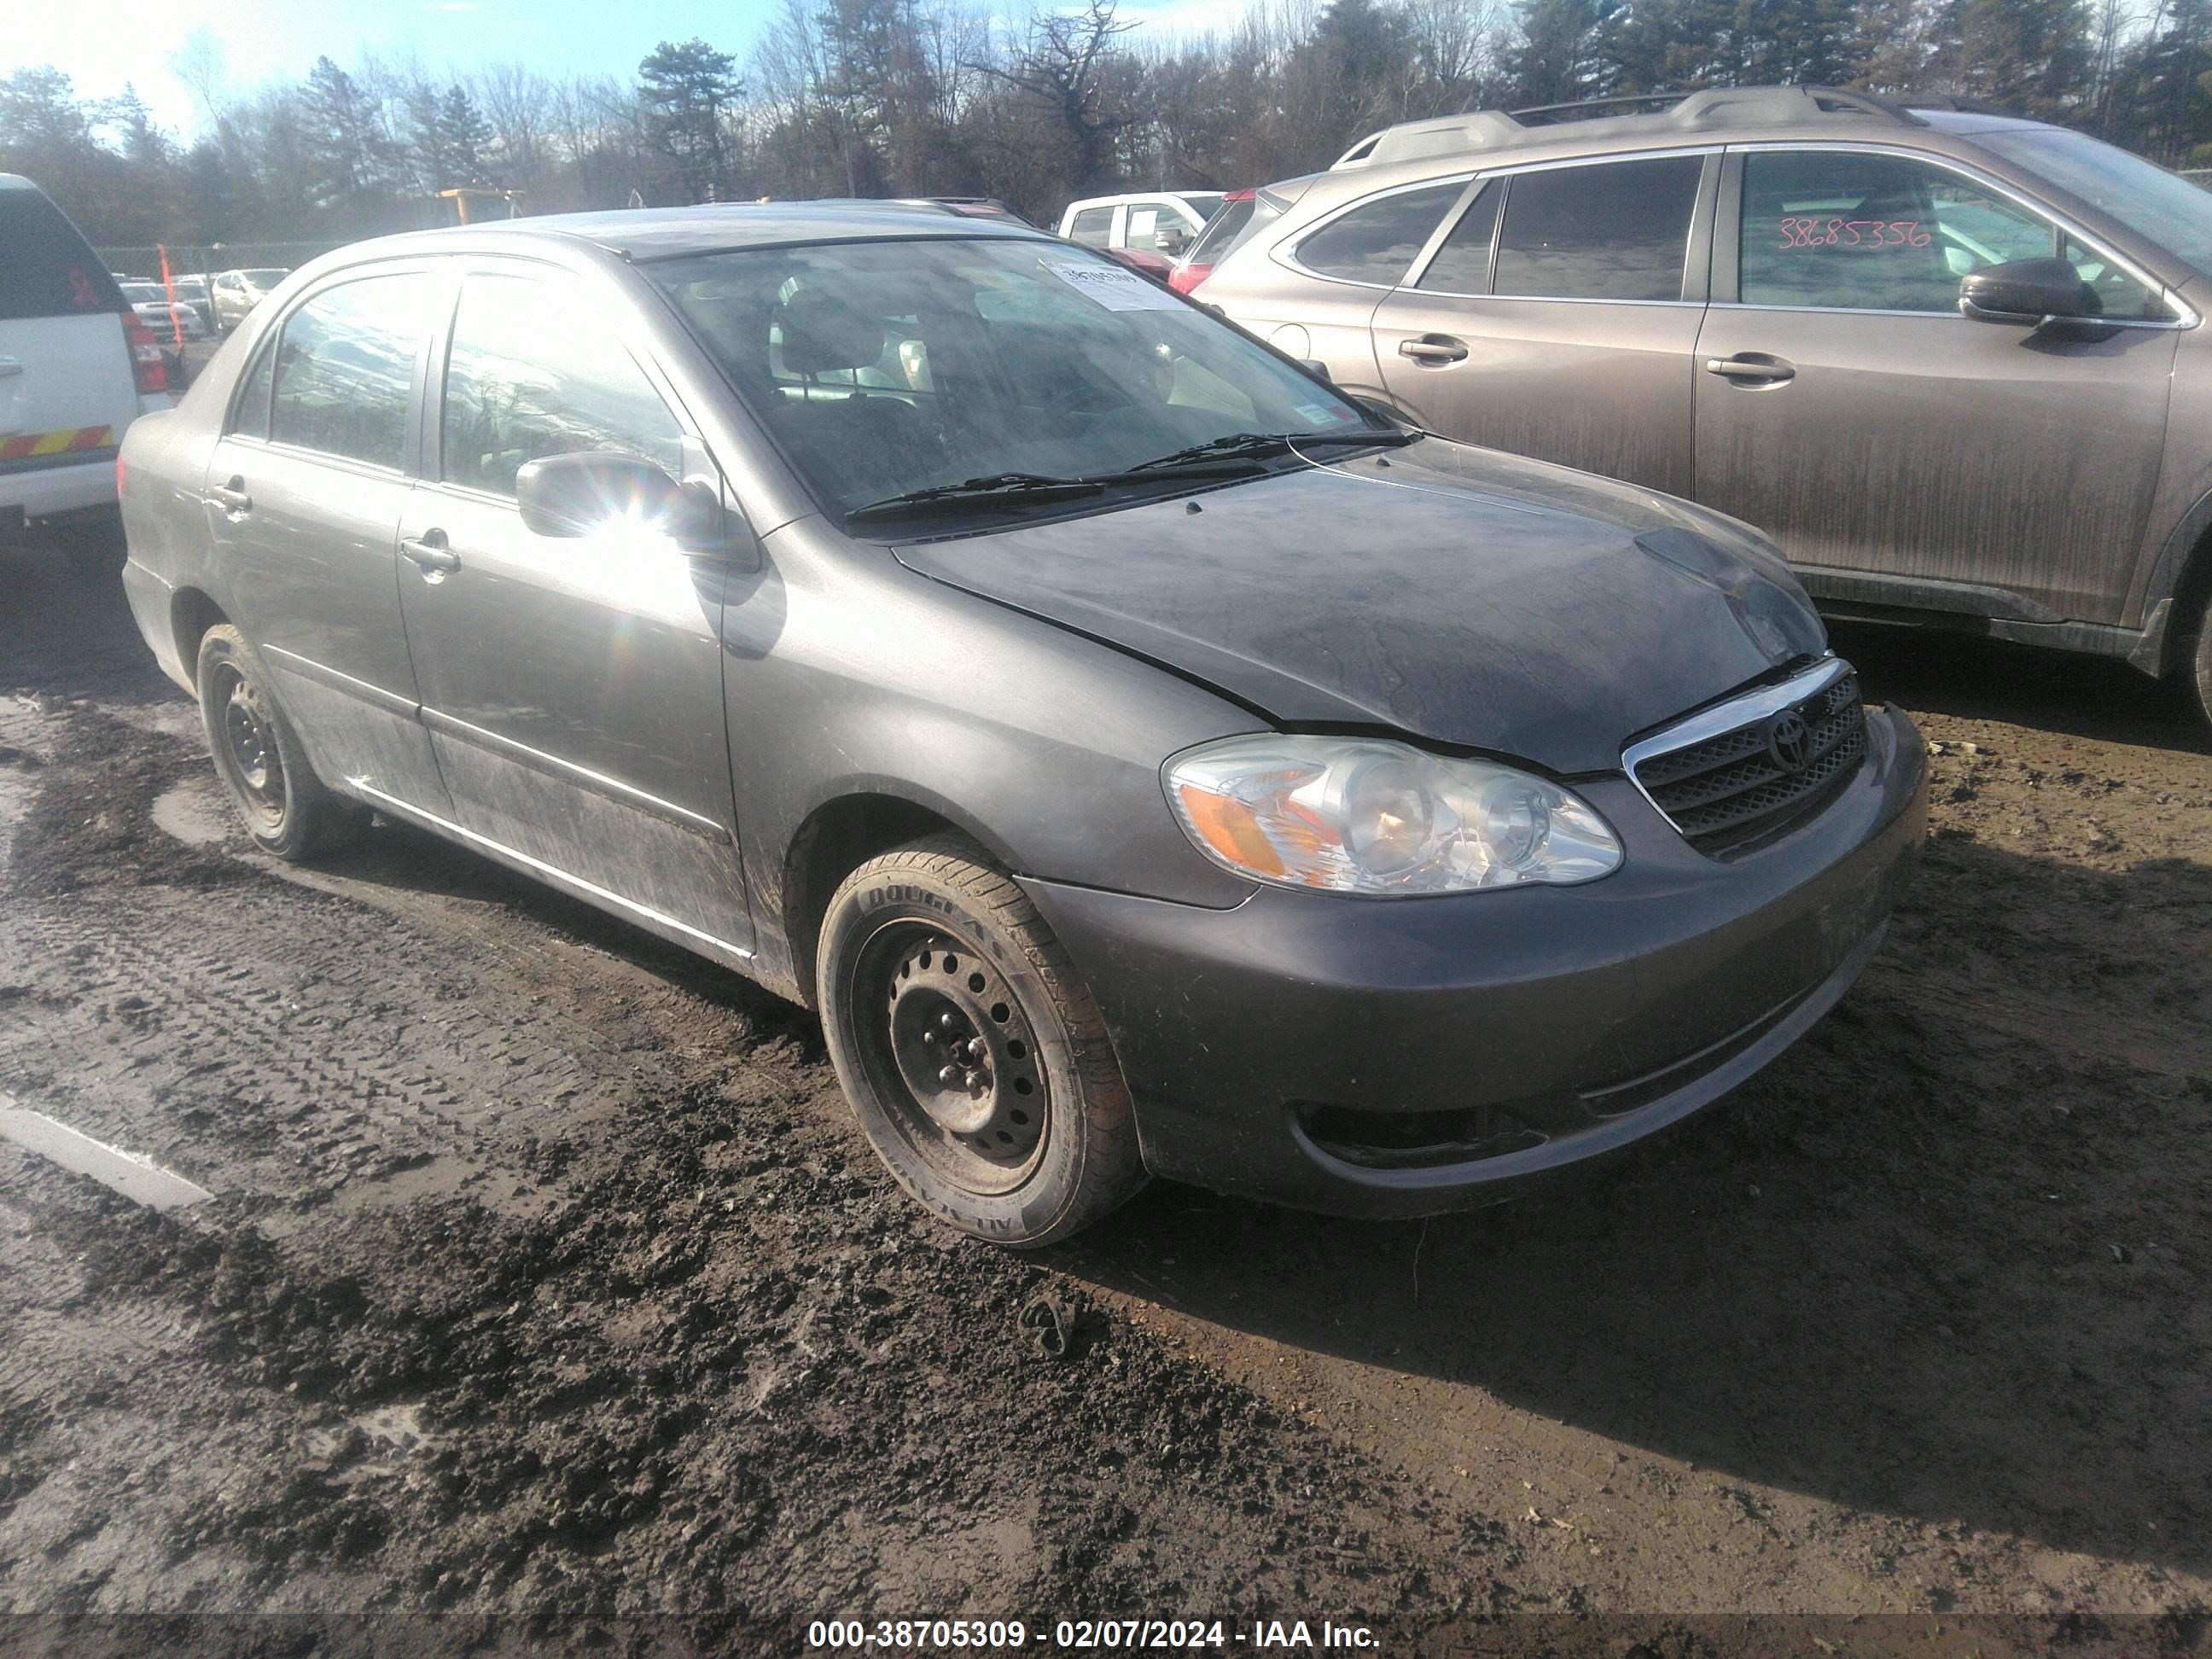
(430,554)
(1751,368)
(232,497)
(1437,349)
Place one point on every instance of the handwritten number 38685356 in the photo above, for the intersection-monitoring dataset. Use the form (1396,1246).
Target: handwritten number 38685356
(1869,234)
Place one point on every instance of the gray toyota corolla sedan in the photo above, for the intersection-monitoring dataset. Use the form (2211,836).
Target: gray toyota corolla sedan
(1144,758)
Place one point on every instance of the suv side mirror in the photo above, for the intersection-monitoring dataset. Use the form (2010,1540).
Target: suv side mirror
(2030,291)
(576,494)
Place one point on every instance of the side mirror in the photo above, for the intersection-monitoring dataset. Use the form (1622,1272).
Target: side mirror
(1314,366)
(2030,291)
(575,495)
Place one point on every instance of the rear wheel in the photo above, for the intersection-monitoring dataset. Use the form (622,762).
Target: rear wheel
(286,809)
(976,1063)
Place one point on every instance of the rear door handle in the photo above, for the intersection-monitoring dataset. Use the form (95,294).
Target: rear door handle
(1751,368)
(1437,349)
(9,366)
(232,497)
(430,554)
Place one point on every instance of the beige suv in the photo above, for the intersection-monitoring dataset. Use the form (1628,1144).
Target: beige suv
(1951,361)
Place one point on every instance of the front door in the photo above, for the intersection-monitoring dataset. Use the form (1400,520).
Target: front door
(1846,407)
(1557,317)
(571,686)
(303,494)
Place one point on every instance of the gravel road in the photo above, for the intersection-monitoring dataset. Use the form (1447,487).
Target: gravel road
(545,1277)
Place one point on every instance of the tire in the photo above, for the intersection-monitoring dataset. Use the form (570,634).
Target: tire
(931,954)
(286,809)
(2196,665)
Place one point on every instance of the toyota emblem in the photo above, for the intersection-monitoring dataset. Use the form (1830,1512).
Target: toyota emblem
(1789,741)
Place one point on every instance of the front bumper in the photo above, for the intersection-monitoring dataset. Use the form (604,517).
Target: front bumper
(1401,1057)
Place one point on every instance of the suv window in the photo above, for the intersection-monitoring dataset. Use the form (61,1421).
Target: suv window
(345,364)
(1835,230)
(529,376)
(1377,240)
(1094,226)
(1619,230)
(1462,264)
(46,269)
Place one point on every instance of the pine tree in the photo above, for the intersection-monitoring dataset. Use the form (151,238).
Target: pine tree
(687,91)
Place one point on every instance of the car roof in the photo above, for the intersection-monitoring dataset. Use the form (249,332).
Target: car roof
(1657,120)
(647,234)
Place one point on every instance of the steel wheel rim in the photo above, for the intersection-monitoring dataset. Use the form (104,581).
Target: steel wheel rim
(247,744)
(948,1051)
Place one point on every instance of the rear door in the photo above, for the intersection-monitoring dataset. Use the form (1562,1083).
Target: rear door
(1557,317)
(1900,452)
(573,686)
(303,495)
(1349,260)
(67,389)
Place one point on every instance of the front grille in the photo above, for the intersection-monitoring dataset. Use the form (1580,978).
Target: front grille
(1726,791)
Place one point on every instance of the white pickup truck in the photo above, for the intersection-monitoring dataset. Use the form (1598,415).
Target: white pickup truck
(77,367)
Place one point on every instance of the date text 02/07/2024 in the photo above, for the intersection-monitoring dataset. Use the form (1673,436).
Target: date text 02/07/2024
(1084,1635)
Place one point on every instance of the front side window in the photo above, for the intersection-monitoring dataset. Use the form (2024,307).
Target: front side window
(530,375)
(883,368)
(1618,231)
(1378,239)
(2160,207)
(1841,230)
(1093,226)
(345,366)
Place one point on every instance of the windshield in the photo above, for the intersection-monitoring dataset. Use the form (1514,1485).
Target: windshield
(2158,206)
(141,293)
(885,367)
(265,278)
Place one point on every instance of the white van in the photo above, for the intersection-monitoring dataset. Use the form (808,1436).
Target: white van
(77,367)
(1165,221)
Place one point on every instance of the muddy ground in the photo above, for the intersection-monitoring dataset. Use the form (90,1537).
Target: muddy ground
(546,1279)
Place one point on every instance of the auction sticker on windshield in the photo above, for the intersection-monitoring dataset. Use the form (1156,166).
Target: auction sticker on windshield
(1115,288)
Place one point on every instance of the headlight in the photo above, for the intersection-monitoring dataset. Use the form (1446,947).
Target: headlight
(1362,814)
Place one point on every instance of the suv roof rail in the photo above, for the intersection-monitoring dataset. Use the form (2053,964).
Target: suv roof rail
(1651,113)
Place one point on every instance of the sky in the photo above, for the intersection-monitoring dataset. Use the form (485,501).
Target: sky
(101,46)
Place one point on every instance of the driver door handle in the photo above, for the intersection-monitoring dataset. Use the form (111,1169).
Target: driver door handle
(1437,349)
(232,497)
(1751,368)
(430,554)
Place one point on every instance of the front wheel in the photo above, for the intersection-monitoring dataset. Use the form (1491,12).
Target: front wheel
(286,809)
(2196,668)
(977,1064)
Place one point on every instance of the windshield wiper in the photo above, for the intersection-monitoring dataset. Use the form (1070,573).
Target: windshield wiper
(997,488)
(1253,445)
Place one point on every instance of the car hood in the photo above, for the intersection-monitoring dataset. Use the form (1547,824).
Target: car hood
(1474,599)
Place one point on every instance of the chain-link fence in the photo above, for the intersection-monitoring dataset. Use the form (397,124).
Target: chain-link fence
(206,260)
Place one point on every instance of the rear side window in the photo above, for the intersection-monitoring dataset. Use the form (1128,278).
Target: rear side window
(529,376)
(1094,226)
(1618,231)
(345,365)
(46,268)
(1377,240)
(1462,264)
(1221,231)
(250,414)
